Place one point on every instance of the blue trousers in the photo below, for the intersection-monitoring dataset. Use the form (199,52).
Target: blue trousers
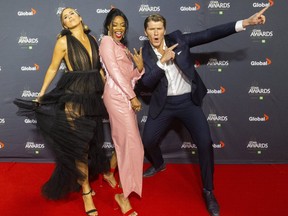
(192,116)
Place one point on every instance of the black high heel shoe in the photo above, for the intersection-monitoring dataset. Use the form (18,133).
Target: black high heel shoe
(92,210)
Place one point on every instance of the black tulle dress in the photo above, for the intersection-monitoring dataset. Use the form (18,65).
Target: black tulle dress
(70,120)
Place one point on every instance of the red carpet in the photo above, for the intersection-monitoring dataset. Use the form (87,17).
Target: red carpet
(242,190)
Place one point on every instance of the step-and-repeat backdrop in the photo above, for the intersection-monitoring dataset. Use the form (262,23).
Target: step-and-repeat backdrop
(246,74)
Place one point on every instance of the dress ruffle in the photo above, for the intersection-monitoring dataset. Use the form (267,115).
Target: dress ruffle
(70,120)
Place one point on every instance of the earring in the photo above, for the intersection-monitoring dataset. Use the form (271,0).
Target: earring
(85,27)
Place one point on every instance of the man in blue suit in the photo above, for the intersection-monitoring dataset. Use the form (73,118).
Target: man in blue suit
(177,92)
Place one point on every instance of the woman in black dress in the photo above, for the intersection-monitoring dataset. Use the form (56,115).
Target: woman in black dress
(70,116)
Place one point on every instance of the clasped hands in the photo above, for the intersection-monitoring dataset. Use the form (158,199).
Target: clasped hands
(136,104)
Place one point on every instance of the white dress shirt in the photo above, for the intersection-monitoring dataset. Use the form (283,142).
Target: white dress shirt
(178,83)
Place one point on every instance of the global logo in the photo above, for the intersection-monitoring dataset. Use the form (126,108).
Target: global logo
(30,68)
(222,90)
(102,11)
(2,145)
(256,145)
(196,7)
(218,146)
(143,38)
(2,120)
(27,13)
(265,118)
(30,121)
(262,4)
(197,64)
(261,63)
(218,5)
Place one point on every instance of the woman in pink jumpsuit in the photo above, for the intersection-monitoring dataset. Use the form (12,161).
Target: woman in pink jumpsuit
(122,72)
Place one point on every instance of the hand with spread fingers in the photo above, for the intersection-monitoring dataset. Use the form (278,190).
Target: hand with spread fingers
(137,57)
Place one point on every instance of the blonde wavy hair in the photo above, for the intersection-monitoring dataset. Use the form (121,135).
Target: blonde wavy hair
(85,27)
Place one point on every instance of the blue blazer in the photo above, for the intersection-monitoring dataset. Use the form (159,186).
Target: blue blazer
(154,78)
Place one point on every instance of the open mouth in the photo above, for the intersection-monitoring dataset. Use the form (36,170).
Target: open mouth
(118,34)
